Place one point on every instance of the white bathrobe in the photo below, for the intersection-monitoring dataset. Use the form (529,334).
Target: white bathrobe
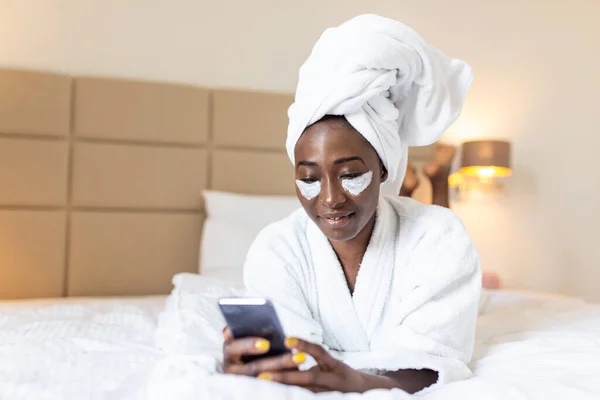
(416,295)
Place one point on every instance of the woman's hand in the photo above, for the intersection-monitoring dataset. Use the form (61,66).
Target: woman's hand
(233,350)
(329,375)
(333,375)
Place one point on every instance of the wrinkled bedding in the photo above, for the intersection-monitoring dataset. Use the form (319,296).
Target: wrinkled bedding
(77,348)
(527,347)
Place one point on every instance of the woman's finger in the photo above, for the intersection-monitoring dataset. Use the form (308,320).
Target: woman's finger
(235,349)
(321,356)
(285,362)
(227,334)
(274,364)
(313,378)
(242,369)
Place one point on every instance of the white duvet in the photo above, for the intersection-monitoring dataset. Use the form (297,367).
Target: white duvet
(527,347)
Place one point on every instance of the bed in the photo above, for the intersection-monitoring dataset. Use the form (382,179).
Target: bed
(528,346)
(116,198)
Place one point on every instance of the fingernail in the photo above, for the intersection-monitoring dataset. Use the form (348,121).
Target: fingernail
(299,358)
(291,342)
(262,344)
(265,377)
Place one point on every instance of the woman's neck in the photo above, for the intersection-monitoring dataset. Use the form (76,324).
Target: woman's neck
(350,252)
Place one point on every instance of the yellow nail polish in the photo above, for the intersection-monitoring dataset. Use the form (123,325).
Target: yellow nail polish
(299,358)
(265,377)
(291,342)
(262,344)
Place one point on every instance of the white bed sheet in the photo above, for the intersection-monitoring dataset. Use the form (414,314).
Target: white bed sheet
(78,348)
(528,347)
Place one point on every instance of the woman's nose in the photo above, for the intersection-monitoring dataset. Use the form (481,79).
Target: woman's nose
(332,195)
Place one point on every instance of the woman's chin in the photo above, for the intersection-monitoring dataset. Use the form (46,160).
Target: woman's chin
(339,235)
(338,231)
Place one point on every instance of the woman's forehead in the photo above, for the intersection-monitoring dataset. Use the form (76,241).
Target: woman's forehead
(331,136)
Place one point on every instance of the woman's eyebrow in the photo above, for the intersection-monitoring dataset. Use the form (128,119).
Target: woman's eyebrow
(307,164)
(348,159)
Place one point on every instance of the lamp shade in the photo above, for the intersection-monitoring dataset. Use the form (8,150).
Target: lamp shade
(486,158)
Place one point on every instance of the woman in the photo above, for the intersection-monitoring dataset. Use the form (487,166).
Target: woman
(379,290)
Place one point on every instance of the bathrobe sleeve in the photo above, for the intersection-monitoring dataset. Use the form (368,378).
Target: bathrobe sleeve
(273,270)
(433,306)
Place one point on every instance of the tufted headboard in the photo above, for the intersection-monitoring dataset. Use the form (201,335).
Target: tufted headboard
(101,178)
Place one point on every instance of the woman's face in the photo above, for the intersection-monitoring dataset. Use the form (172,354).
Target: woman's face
(338,175)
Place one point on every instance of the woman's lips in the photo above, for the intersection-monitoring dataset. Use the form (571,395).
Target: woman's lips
(337,221)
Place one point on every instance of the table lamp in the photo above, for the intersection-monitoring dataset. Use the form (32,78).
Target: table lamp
(481,161)
(485,159)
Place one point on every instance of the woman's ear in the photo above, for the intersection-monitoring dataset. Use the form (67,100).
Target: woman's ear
(384,173)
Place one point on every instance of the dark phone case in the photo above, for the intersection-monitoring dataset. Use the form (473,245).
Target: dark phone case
(255,320)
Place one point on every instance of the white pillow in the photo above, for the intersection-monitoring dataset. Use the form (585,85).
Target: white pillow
(231,225)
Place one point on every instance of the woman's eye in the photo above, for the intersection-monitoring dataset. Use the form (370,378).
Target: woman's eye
(351,176)
(309,180)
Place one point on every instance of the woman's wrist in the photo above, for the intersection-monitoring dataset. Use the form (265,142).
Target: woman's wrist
(370,381)
(409,380)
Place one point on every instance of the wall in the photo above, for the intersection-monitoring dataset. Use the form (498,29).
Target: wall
(535,65)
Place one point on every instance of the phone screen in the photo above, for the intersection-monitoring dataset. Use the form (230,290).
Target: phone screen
(254,317)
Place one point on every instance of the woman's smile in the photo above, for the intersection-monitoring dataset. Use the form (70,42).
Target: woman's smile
(336,220)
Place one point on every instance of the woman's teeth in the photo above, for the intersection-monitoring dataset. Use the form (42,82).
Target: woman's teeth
(336,220)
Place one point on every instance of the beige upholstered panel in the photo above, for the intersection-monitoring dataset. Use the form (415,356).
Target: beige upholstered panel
(32,249)
(252,172)
(138,176)
(34,103)
(126,176)
(250,119)
(140,111)
(130,253)
(33,172)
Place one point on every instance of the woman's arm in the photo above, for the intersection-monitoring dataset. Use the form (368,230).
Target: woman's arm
(409,380)
(271,271)
(331,374)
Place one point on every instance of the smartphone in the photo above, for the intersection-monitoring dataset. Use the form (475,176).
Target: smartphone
(254,317)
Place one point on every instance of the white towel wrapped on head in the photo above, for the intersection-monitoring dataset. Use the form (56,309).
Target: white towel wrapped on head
(392,87)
